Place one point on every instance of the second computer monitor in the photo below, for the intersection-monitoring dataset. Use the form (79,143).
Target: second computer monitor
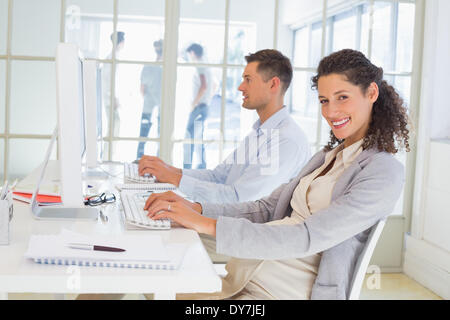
(94,109)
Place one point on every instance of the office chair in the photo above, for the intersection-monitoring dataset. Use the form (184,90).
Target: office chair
(363,260)
(220,269)
(361,264)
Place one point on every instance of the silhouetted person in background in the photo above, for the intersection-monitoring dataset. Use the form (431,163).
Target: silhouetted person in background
(151,77)
(106,84)
(202,92)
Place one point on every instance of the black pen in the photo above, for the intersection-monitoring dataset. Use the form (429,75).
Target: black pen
(84,246)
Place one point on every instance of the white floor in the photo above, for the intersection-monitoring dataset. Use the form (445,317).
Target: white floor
(396,286)
(390,286)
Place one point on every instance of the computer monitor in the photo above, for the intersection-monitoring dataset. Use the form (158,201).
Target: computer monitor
(71,136)
(81,108)
(94,108)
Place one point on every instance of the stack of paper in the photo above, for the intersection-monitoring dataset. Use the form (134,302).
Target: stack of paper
(141,251)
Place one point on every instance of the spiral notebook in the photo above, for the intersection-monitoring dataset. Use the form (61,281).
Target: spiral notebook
(146,252)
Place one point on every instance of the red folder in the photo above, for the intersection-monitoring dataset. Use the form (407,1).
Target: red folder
(43,199)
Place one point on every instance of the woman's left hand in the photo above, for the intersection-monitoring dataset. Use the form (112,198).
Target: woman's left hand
(182,214)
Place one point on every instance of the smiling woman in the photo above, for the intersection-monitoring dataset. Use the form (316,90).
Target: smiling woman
(358,87)
(302,241)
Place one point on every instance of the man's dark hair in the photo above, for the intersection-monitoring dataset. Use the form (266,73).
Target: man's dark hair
(196,48)
(272,63)
(120,37)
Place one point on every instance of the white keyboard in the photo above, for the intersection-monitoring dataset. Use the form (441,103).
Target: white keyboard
(135,215)
(131,173)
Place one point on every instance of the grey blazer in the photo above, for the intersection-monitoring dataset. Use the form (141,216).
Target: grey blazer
(365,193)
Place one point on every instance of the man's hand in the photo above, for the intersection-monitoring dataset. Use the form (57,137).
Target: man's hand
(158,168)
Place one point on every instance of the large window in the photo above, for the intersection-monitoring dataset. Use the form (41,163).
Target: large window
(152,70)
(29,33)
(127,40)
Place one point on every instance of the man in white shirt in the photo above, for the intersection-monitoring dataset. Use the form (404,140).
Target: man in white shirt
(151,77)
(273,153)
(202,94)
(106,84)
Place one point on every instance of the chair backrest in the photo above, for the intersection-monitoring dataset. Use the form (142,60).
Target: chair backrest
(363,260)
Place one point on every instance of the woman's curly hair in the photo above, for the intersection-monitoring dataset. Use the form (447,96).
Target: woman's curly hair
(388,127)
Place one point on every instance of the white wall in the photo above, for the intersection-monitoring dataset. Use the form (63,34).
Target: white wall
(440,109)
(427,255)
(436,225)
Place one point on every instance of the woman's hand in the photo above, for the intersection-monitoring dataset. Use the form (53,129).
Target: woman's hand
(171,197)
(182,213)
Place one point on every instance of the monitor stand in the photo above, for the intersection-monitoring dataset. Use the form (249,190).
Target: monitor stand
(58,212)
(95,172)
(63,213)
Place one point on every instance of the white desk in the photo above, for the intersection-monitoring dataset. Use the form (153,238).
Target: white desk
(17,274)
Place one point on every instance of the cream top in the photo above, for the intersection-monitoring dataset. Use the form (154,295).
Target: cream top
(294,278)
